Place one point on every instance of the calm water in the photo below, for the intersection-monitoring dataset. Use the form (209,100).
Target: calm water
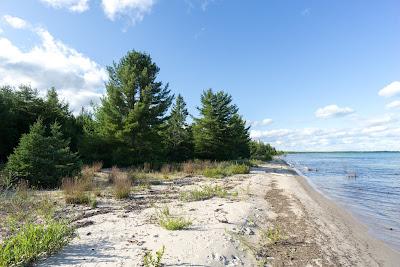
(373,196)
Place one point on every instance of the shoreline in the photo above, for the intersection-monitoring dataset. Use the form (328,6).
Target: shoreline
(376,247)
(271,216)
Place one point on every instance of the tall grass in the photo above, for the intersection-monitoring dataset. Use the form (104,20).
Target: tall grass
(122,185)
(76,191)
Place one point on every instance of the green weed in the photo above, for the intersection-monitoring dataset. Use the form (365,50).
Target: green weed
(32,241)
(154,261)
(205,192)
(172,223)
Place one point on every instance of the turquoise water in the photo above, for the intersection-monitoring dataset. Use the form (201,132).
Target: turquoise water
(367,184)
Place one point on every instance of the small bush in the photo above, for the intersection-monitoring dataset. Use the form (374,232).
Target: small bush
(122,186)
(32,241)
(224,169)
(206,192)
(153,261)
(238,169)
(214,172)
(172,223)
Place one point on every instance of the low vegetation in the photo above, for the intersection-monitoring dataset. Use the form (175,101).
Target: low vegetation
(32,241)
(271,235)
(224,169)
(76,191)
(29,228)
(122,185)
(205,192)
(172,223)
(154,261)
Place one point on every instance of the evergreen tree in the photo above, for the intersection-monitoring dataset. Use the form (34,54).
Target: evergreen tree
(21,107)
(220,133)
(133,111)
(261,151)
(178,136)
(43,160)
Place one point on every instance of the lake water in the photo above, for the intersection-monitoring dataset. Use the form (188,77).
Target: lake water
(367,184)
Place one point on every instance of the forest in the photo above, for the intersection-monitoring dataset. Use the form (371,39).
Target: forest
(138,120)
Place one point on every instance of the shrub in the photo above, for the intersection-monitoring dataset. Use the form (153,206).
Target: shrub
(214,172)
(225,169)
(238,169)
(32,241)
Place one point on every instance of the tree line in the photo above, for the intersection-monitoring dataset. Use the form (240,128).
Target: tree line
(138,120)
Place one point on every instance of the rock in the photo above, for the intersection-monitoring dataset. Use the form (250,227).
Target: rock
(88,233)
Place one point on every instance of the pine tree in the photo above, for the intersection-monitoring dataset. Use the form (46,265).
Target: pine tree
(220,133)
(42,160)
(178,136)
(133,110)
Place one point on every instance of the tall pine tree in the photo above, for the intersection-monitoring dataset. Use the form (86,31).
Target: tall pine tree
(133,111)
(178,135)
(220,133)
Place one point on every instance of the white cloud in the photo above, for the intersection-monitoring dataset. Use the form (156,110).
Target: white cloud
(394,104)
(134,9)
(374,129)
(1,30)
(78,6)
(385,120)
(77,78)
(263,122)
(15,22)
(332,111)
(390,90)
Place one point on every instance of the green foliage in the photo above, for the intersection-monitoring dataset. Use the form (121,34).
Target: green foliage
(177,135)
(132,113)
(154,261)
(43,160)
(21,107)
(261,151)
(32,241)
(220,133)
(205,192)
(172,223)
(224,169)
(271,235)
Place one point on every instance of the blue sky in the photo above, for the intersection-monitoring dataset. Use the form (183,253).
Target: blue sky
(307,75)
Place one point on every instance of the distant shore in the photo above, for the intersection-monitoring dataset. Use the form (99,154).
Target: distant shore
(271,216)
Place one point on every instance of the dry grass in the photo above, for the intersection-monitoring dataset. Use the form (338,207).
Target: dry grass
(76,191)
(97,166)
(122,185)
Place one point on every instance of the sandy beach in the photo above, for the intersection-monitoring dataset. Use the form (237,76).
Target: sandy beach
(272,217)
